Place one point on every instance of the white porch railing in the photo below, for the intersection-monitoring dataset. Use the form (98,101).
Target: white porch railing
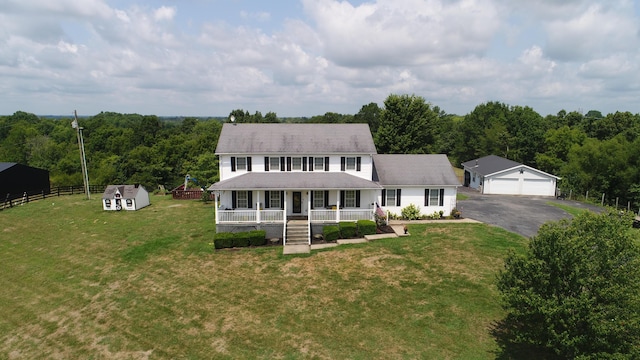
(277,216)
(250,216)
(340,215)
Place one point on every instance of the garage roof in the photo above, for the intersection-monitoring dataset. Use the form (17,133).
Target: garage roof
(493,164)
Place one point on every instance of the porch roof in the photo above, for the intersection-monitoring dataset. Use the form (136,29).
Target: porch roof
(292,180)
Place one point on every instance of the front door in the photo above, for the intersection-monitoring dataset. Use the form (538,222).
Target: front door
(297,202)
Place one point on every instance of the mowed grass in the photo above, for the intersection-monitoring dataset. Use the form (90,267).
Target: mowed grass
(79,282)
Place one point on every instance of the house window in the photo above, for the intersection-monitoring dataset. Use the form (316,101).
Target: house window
(351,163)
(107,203)
(129,203)
(274,163)
(242,200)
(274,199)
(350,198)
(296,163)
(390,197)
(241,163)
(433,197)
(318,199)
(318,163)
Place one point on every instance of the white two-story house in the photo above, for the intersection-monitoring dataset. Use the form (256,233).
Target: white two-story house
(319,173)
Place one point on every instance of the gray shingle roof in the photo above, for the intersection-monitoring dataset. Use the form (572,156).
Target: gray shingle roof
(127,191)
(294,180)
(414,170)
(295,139)
(490,164)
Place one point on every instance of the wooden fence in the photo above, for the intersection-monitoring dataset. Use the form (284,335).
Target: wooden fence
(12,200)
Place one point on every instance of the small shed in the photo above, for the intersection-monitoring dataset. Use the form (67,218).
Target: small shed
(496,175)
(17,179)
(127,197)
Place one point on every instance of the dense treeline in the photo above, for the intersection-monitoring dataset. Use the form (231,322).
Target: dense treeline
(591,152)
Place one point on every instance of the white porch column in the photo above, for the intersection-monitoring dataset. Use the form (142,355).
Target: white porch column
(258,208)
(284,219)
(215,204)
(338,207)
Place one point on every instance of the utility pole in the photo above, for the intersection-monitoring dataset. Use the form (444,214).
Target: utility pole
(83,158)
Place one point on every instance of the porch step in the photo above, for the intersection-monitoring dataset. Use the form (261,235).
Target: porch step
(297,232)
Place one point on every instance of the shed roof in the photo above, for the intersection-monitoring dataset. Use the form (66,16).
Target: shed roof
(294,180)
(126,191)
(414,170)
(5,165)
(295,139)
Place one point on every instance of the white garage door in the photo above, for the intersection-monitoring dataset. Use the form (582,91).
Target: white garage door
(542,187)
(508,186)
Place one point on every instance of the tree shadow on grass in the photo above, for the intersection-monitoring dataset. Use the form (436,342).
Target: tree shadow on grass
(510,348)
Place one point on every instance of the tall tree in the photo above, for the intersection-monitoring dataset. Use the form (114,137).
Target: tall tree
(406,126)
(574,293)
(369,114)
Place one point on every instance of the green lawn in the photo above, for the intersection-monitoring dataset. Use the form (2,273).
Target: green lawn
(79,282)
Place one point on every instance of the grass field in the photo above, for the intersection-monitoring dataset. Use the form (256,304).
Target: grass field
(79,282)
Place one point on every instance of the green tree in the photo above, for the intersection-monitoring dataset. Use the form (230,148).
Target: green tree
(574,293)
(369,114)
(406,126)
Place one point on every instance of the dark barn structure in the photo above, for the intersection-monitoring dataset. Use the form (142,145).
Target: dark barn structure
(16,179)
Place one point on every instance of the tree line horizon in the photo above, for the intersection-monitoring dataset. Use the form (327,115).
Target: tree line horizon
(590,152)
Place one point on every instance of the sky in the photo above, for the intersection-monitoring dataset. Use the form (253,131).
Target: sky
(308,57)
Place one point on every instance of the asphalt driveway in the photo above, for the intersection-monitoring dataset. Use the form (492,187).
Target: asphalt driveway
(519,214)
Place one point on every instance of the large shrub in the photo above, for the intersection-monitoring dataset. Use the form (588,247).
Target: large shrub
(410,212)
(574,293)
(257,237)
(348,229)
(366,227)
(331,232)
(223,240)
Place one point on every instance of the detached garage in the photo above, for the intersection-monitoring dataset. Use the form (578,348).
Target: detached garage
(496,175)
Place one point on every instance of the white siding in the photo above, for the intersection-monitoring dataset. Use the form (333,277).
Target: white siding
(415,195)
(258,164)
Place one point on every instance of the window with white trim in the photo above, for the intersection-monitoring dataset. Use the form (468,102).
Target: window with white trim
(349,198)
(107,203)
(274,163)
(318,163)
(390,197)
(350,163)
(274,199)
(318,199)
(242,199)
(434,197)
(296,164)
(241,163)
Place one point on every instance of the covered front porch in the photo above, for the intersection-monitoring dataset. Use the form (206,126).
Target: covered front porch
(311,199)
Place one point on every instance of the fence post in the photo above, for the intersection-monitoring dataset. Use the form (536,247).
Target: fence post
(602,202)
(616,203)
(570,190)
(586,197)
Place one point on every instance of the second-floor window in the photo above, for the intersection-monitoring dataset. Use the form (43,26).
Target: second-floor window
(318,163)
(274,163)
(350,163)
(296,164)
(241,163)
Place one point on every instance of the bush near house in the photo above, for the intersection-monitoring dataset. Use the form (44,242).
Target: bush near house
(348,229)
(410,212)
(331,232)
(241,239)
(366,227)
